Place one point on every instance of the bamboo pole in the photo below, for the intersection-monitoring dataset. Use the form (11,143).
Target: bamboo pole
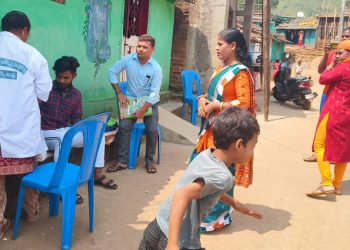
(266,56)
(334,24)
(325,26)
(341,21)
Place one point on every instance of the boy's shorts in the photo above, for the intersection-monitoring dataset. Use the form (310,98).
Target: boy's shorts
(155,239)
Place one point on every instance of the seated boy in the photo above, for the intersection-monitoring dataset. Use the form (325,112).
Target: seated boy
(64,108)
(205,181)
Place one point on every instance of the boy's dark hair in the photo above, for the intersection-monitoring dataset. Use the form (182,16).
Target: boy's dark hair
(66,63)
(233,124)
(148,38)
(15,20)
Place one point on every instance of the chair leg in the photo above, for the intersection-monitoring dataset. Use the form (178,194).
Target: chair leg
(159,142)
(91,204)
(183,109)
(194,113)
(134,146)
(18,210)
(54,204)
(68,211)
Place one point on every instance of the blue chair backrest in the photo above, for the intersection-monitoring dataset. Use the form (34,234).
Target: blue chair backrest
(188,76)
(92,129)
(123,86)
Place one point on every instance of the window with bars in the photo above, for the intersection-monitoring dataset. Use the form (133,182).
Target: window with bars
(135,17)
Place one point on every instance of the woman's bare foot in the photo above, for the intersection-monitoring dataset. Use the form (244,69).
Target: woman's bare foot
(337,191)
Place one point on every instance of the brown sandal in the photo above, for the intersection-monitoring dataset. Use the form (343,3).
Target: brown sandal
(4,226)
(109,184)
(151,169)
(116,167)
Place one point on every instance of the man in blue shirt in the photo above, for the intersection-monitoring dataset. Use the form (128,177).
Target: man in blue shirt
(144,76)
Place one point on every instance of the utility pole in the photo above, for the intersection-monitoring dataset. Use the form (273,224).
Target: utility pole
(266,55)
(341,21)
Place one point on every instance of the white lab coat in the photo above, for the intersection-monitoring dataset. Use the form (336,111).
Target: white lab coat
(24,78)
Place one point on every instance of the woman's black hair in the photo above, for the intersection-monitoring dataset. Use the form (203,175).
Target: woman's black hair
(231,35)
(66,63)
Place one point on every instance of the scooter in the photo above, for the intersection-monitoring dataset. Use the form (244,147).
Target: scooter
(297,90)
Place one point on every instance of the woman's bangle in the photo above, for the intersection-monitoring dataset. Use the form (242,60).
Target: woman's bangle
(235,103)
(221,105)
(199,97)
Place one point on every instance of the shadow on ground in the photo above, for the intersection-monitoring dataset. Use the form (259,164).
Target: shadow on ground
(278,220)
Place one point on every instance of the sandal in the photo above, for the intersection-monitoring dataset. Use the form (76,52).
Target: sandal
(4,226)
(321,190)
(116,167)
(151,169)
(79,199)
(110,184)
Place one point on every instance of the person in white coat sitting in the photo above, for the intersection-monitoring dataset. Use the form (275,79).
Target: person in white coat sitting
(24,78)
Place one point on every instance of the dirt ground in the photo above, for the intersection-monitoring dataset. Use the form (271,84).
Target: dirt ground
(292,221)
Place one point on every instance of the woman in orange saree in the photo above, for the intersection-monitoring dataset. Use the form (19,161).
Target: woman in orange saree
(231,85)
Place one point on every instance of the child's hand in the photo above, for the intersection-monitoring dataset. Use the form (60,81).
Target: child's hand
(256,215)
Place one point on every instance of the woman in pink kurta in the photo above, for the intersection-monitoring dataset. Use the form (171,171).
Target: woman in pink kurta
(332,139)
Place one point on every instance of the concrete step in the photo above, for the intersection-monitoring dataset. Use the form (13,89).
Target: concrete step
(176,129)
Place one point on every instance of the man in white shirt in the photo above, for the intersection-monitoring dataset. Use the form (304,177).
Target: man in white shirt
(24,78)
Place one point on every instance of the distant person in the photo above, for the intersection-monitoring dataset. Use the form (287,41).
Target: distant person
(332,140)
(24,79)
(64,109)
(298,69)
(144,76)
(330,60)
(205,182)
(301,38)
(276,67)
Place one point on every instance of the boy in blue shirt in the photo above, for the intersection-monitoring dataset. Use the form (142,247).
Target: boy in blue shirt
(204,183)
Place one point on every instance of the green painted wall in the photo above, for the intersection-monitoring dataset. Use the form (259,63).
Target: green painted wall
(310,37)
(58,30)
(160,25)
(277,50)
(283,45)
(274,50)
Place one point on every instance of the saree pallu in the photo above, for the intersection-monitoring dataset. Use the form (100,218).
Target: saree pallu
(13,166)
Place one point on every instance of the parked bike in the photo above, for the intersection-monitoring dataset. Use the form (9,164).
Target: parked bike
(297,90)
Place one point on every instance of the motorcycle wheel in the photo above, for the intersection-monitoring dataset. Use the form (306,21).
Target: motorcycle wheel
(276,95)
(306,105)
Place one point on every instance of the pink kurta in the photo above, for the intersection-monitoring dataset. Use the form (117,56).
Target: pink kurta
(338,106)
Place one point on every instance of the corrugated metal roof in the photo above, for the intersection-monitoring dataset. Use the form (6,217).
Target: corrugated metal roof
(256,34)
(300,24)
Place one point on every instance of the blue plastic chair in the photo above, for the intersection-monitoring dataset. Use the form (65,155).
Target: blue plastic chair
(188,76)
(135,142)
(136,134)
(61,179)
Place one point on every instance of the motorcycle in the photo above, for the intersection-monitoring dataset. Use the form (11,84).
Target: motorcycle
(297,89)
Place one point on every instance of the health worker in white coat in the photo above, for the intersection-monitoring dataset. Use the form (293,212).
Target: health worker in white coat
(24,81)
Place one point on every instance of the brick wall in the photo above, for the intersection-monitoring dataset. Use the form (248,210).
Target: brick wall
(178,54)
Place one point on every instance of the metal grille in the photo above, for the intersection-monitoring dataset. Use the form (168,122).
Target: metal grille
(135,17)
(131,18)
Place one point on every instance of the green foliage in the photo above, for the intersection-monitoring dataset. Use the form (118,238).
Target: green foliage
(309,7)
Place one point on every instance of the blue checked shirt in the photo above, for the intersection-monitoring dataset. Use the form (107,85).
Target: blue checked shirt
(143,80)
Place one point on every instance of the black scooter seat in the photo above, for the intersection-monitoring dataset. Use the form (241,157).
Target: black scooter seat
(296,79)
